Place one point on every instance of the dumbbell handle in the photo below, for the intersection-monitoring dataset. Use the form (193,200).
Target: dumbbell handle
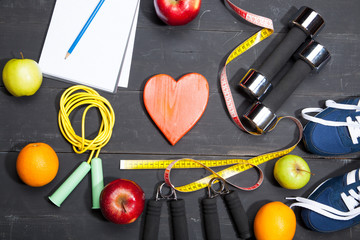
(238,214)
(178,220)
(282,53)
(152,220)
(211,219)
(287,85)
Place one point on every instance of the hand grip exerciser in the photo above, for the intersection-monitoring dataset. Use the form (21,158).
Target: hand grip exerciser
(310,56)
(235,209)
(258,82)
(177,214)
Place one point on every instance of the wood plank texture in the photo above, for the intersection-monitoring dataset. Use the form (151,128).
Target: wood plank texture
(201,46)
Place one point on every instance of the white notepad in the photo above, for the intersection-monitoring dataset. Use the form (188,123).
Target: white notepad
(102,55)
(125,69)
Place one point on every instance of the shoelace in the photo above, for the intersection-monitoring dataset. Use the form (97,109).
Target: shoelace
(353,126)
(354,131)
(352,200)
(328,211)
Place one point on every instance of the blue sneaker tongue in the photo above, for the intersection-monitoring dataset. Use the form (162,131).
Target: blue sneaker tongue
(345,137)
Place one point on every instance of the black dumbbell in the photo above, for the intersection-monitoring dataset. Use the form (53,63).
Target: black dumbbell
(310,56)
(258,82)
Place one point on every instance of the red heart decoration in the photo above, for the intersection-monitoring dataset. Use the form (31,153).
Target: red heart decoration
(176,106)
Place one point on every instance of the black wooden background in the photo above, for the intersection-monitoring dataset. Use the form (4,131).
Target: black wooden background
(201,46)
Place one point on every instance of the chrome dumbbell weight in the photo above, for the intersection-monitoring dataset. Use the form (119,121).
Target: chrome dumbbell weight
(310,56)
(258,82)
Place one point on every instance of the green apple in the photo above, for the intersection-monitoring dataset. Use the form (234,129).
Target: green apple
(22,77)
(292,172)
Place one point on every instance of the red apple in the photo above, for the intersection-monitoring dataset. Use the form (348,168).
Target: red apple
(122,201)
(177,12)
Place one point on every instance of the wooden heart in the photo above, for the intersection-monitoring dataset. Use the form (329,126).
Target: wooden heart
(176,106)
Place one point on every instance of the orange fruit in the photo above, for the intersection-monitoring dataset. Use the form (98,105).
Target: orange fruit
(37,164)
(275,221)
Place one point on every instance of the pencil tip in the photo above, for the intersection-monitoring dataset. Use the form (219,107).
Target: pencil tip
(67,55)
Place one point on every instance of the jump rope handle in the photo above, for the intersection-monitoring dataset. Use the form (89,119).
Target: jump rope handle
(152,220)
(238,214)
(178,220)
(211,219)
(97,181)
(70,184)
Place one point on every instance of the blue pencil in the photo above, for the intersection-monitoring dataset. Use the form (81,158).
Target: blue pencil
(84,28)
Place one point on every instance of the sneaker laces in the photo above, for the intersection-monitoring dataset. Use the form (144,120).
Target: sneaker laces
(352,200)
(328,211)
(353,126)
(354,131)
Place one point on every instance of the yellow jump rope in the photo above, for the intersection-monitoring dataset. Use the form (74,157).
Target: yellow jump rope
(75,97)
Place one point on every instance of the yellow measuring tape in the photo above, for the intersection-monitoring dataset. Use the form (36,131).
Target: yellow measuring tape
(248,43)
(238,166)
(185,163)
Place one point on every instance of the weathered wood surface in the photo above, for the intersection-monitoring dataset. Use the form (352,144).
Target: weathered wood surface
(201,46)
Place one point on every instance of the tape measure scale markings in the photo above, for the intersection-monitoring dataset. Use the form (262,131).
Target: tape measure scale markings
(162,164)
(249,43)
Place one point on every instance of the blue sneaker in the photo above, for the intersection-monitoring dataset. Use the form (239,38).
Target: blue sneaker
(334,205)
(334,130)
